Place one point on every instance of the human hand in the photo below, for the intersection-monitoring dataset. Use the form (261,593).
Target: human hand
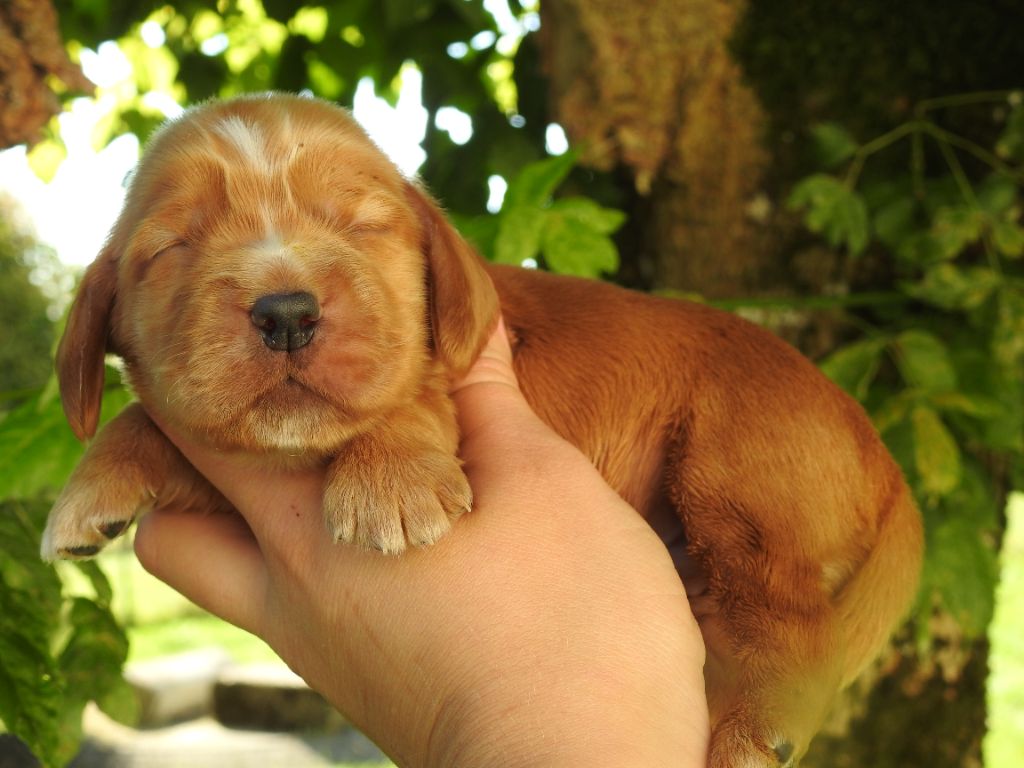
(548,628)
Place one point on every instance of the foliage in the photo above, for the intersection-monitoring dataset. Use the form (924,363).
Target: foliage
(864,63)
(210,48)
(570,235)
(943,373)
(28,330)
(58,649)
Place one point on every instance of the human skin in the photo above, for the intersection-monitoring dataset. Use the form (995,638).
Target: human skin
(549,627)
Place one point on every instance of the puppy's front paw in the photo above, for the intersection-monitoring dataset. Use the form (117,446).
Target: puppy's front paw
(88,514)
(386,499)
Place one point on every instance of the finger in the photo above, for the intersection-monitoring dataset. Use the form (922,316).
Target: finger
(494,364)
(489,405)
(211,559)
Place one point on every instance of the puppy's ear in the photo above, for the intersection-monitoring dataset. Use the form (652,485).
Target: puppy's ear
(463,302)
(80,352)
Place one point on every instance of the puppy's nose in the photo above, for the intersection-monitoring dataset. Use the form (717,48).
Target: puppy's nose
(286,320)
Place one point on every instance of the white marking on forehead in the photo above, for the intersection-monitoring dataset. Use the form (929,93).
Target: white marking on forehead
(271,248)
(247,139)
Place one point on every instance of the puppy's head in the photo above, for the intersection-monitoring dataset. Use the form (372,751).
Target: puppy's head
(273,283)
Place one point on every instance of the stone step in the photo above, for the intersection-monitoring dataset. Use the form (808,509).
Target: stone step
(207,683)
(270,697)
(202,710)
(205,743)
(175,688)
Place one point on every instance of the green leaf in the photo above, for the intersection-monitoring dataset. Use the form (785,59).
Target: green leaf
(1008,335)
(854,366)
(91,661)
(955,228)
(970,404)
(833,144)
(1011,144)
(519,234)
(996,194)
(924,361)
(38,449)
(405,13)
(480,231)
(537,182)
(602,220)
(922,248)
(892,412)
(55,654)
(834,211)
(986,377)
(45,158)
(936,455)
(1008,238)
(30,604)
(962,570)
(573,248)
(895,221)
(951,287)
(97,579)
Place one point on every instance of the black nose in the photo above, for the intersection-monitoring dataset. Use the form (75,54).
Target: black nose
(286,320)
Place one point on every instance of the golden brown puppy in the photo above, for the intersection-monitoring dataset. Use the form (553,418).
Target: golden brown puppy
(276,287)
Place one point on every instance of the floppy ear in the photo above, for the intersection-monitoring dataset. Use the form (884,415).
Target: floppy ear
(81,349)
(463,303)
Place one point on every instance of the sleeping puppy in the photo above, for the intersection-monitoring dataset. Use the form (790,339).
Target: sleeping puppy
(277,288)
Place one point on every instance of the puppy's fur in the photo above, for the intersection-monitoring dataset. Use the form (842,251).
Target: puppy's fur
(806,539)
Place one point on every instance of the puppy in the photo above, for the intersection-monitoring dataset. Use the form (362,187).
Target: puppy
(275,287)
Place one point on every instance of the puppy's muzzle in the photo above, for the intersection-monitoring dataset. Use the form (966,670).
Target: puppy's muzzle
(286,321)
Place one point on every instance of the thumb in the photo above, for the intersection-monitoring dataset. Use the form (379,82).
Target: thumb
(491,410)
(505,447)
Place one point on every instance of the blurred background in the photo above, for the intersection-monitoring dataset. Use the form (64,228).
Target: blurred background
(848,174)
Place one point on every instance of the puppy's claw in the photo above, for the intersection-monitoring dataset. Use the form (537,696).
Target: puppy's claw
(784,752)
(114,528)
(740,740)
(86,550)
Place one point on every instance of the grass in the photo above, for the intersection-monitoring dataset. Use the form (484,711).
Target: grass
(161,622)
(1004,742)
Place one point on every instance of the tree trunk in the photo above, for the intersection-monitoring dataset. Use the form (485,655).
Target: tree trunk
(651,87)
(917,714)
(31,50)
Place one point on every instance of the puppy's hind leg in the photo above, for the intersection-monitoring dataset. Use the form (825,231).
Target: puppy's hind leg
(767,701)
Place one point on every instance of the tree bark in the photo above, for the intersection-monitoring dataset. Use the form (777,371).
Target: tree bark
(651,87)
(31,50)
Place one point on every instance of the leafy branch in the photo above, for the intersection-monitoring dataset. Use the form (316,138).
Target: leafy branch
(572,235)
(941,369)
